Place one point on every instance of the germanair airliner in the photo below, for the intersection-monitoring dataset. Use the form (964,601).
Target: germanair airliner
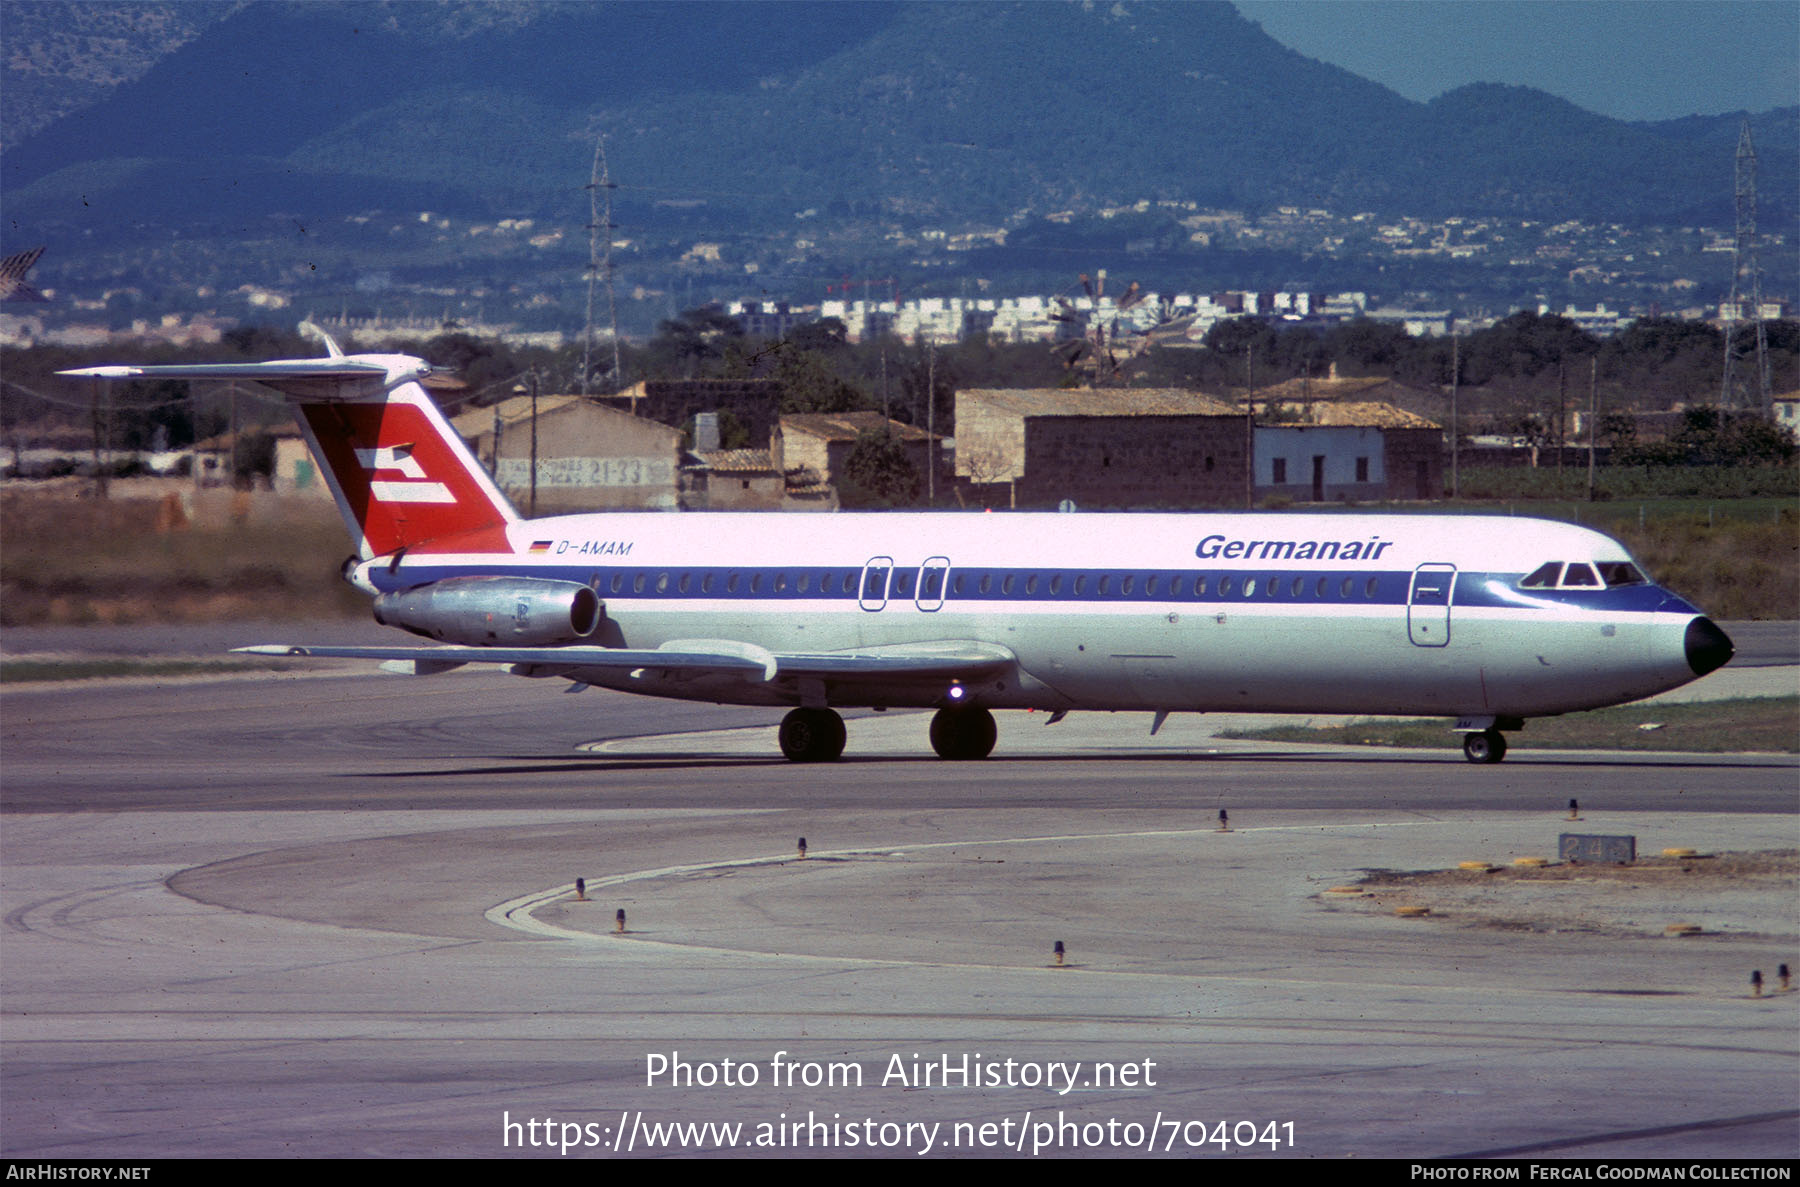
(1487,620)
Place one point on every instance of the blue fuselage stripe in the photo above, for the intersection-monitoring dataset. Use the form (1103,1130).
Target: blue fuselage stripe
(976,586)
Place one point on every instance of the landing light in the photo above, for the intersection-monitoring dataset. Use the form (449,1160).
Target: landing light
(958,692)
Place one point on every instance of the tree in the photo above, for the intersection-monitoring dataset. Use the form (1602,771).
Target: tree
(699,342)
(1710,439)
(828,335)
(1240,353)
(1525,345)
(810,384)
(878,473)
(255,460)
(1369,347)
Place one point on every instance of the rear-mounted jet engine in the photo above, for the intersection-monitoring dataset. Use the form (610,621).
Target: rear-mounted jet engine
(481,611)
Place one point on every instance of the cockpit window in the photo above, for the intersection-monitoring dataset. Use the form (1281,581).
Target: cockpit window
(1581,575)
(1616,573)
(1543,577)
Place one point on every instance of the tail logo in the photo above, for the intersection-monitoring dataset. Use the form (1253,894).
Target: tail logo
(399,458)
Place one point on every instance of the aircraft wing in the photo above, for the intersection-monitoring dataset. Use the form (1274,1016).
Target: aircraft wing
(692,659)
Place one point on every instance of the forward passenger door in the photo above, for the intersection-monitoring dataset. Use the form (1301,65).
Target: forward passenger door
(1428,605)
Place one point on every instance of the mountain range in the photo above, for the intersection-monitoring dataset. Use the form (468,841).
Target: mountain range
(939,114)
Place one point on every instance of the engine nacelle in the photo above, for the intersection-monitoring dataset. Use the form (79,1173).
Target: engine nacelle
(494,611)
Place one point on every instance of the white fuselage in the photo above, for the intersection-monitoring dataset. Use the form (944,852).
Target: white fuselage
(1375,614)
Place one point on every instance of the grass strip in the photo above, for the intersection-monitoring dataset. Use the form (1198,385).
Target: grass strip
(1748,724)
(41,671)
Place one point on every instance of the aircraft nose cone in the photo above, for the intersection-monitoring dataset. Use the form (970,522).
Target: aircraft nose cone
(1708,647)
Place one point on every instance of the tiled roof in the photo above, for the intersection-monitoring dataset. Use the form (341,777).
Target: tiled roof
(1102,402)
(513,410)
(516,411)
(737,461)
(1348,388)
(847,426)
(1365,414)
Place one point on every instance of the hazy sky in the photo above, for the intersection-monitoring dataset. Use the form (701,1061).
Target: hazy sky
(1630,59)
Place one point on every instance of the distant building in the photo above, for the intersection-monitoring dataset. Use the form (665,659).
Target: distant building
(820,442)
(1351,452)
(733,480)
(1111,448)
(589,457)
(1787,411)
(770,319)
(1295,397)
(755,404)
(1420,323)
(294,472)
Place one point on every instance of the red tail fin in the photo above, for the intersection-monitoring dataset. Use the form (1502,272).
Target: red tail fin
(400,474)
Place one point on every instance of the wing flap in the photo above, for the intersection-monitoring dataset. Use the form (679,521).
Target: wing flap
(950,660)
(689,658)
(547,661)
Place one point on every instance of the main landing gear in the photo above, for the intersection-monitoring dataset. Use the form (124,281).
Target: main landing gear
(1488,746)
(812,735)
(963,733)
(817,735)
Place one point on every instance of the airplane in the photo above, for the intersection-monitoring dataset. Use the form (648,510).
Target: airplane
(1485,619)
